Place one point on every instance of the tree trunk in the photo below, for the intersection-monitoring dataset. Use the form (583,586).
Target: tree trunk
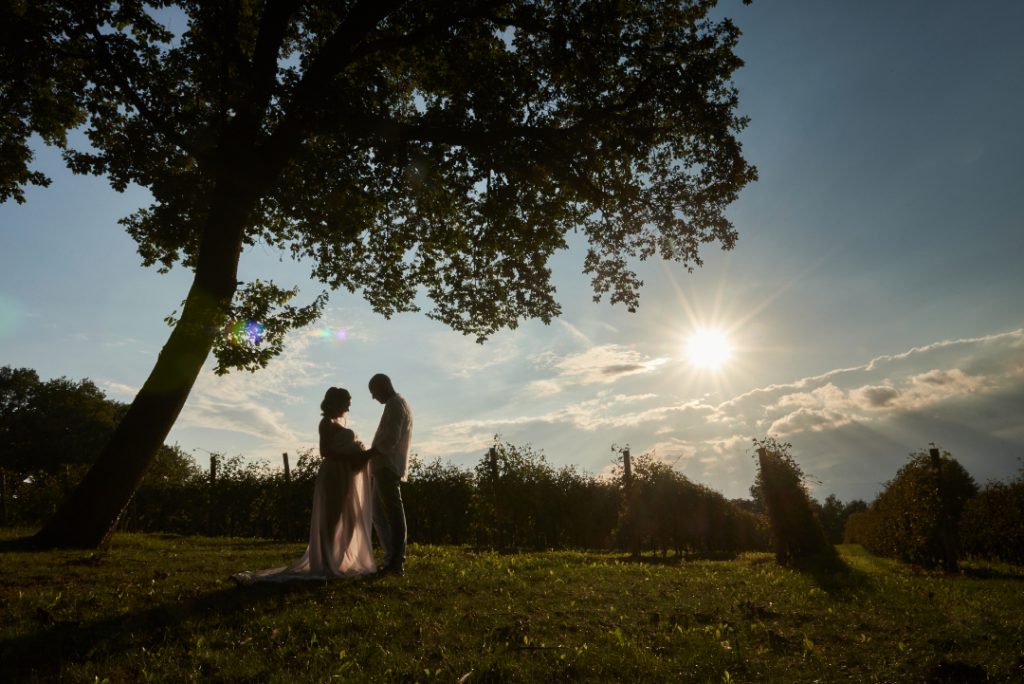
(88,516)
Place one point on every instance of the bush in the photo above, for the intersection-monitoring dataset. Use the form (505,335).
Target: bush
(992,524)
(437,498)
(910,520)
(662,510)
(860,528)
(521,502)
(796,532)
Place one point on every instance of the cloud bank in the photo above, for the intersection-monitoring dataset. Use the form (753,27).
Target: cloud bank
(851,428)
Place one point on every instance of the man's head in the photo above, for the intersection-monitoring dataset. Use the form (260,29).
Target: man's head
(381,388)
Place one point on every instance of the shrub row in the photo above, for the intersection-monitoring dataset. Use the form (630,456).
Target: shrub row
(992,524)
(513,500)
(662,510)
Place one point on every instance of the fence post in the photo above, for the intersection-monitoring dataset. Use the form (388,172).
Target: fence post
(947,535)
(289,524)
(633,540)
(3,497)
(210,497)
(499,532)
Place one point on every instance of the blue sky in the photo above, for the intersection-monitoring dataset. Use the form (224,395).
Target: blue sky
(873,300)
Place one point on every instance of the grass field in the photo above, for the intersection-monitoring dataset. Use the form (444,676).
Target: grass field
(157,608)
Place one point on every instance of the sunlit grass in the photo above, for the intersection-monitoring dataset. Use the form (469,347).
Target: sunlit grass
(164,609)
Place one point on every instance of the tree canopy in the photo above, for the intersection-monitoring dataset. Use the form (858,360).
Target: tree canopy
(414,152)
(448,147)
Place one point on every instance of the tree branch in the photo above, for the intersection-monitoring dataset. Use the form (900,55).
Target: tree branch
(118,73)
(366,124)
(336,52)
(277,14)
(300,117)
(405,40)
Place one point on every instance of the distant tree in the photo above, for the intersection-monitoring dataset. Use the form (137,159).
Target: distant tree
(850,509)
(861,528)
(51,432)
(437,150)
(833,515)
(749,505)
(47,425)
(18,386)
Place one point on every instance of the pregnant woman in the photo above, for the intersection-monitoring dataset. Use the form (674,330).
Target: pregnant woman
(341,525)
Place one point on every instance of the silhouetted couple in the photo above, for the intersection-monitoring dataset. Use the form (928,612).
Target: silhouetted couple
(357,491)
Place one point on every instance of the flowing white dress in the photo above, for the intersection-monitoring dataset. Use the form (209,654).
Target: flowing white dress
(341,525)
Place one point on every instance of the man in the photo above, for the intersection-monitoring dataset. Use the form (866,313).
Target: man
(390,458)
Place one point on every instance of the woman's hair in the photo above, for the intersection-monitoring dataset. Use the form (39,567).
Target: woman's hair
(334,400)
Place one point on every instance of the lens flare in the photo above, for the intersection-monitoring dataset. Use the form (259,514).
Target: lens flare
(328,333)
(10,316)
(246,332)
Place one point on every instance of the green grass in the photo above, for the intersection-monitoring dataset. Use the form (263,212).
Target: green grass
(157,608)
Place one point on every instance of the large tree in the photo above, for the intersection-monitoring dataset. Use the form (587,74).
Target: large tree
(442,148)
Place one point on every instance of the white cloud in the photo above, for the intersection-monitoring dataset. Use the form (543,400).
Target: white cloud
(675,452)
(120,390)
(885,386)
(807,419)
(603,364)
(873,397)
(251,403)
(461,357)
(543,388)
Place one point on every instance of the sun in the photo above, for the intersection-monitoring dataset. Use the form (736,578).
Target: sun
(708,348)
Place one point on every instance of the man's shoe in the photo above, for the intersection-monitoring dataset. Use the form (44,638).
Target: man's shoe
(392,570)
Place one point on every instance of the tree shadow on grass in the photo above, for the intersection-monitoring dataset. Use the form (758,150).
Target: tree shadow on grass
(992,573)
(39,656)
(832,575)
(19,545)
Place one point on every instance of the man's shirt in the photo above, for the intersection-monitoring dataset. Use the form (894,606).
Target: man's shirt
(393,437)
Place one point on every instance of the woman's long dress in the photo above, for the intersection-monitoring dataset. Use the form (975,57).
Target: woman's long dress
(341,524)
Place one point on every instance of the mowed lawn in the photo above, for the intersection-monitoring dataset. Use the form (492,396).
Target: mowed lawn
(163,608)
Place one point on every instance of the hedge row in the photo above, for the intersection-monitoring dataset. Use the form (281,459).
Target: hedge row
(512,500)
(932,510)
